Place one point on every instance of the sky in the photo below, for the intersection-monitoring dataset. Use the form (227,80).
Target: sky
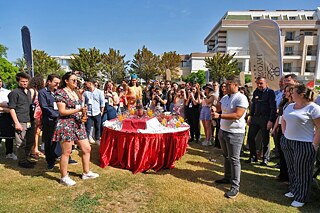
(60,27)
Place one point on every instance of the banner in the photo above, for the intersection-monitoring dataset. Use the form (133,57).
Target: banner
(27,50)
(265,52)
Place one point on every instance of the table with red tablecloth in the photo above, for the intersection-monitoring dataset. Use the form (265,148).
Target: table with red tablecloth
(139,152)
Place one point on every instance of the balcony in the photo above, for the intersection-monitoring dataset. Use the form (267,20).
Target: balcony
(291,53)
(310,69)
(312,52)
(239,52)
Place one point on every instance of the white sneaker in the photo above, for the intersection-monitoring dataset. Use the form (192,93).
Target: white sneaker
(91,140)
(11,156)
(67,181)
(289,194)
(89,175)
(297,204)
(204,143)
(98,142)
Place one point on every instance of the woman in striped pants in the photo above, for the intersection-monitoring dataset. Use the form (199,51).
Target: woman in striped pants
(301,128)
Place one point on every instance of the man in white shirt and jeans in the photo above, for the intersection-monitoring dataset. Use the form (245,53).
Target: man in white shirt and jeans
(6,127)
(231,134)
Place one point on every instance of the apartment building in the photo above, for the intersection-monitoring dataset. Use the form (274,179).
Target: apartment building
(300,35)
(193,62)
(64,61)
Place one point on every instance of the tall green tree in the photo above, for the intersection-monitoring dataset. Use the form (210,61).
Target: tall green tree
(43,64)
(8,73)
(145,64)
(199,77)
(88,61)
(170,61)
(21,63)
(114,65)
(3,51)
(222,66)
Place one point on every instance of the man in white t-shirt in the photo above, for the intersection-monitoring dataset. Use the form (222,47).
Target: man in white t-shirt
(231,134)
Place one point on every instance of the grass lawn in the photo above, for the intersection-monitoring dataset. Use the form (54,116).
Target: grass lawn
(188,187)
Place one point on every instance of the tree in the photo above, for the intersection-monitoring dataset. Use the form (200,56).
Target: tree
(87,61)
(43,64)
(21,63)
(199,77)
(3,51)
(222,66)
(8,73)
(170,61)
(145,64)
(114,65)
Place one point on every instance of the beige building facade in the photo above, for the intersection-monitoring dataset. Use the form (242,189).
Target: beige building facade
(300,36)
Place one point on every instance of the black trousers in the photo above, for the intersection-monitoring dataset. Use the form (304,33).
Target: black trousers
(282,161)
(259,123)
(49,146)
(7,131)
(193,115)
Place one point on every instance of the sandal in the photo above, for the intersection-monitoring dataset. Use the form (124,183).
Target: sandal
(34,156)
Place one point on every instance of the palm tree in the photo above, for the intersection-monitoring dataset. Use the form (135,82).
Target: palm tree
(222,66)
(21,63)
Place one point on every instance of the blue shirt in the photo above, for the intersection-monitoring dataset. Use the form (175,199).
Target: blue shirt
(95,101)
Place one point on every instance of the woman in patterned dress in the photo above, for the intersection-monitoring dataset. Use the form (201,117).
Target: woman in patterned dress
(70,128)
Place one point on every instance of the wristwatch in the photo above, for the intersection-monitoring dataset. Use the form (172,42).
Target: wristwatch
(219,116)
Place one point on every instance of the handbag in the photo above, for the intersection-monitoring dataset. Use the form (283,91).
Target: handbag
(33,106)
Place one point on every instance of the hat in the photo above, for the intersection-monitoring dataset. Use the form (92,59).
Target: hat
(134,76)
(209,86)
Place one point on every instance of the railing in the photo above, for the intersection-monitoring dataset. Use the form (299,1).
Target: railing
(239,52)
(293,53)
(310,69)
(312,52)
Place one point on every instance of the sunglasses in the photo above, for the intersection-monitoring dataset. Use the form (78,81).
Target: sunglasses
(74,80)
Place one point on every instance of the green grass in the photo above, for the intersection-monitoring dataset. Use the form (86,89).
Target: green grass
(188,187)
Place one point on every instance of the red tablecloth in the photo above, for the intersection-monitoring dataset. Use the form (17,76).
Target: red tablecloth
(140,152)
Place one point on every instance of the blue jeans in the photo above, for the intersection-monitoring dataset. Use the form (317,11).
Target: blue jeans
(231,144)
(96,121)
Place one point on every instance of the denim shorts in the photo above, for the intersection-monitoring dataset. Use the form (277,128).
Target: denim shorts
(205,113)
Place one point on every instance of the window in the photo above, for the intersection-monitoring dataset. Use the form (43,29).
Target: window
(308,33)
(309,68)
(289,36)
(287,67)
(292,18)
(288,51)
(274,18)
(240,65)
(256,18)
(310,17)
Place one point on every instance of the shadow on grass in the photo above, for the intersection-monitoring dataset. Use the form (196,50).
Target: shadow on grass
(256,181)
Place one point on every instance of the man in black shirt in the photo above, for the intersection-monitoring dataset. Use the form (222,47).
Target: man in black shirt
(19,104)
(262,117)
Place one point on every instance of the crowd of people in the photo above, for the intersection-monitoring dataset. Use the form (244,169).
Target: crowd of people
(71,110)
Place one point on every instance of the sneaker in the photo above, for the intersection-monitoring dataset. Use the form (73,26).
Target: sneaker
(251,160)
(297,204)
(32,162)
(232,193)
(264,163)
(11,156)
(223,181)
(67,181)
(204,143)
(50,166)
(209,143)
(89,175)
(72,162)
(289,194)
(91,140)
(98,142)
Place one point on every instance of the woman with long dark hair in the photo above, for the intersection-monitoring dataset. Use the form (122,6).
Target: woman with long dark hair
(36,84)
(70,128)
(193,114)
